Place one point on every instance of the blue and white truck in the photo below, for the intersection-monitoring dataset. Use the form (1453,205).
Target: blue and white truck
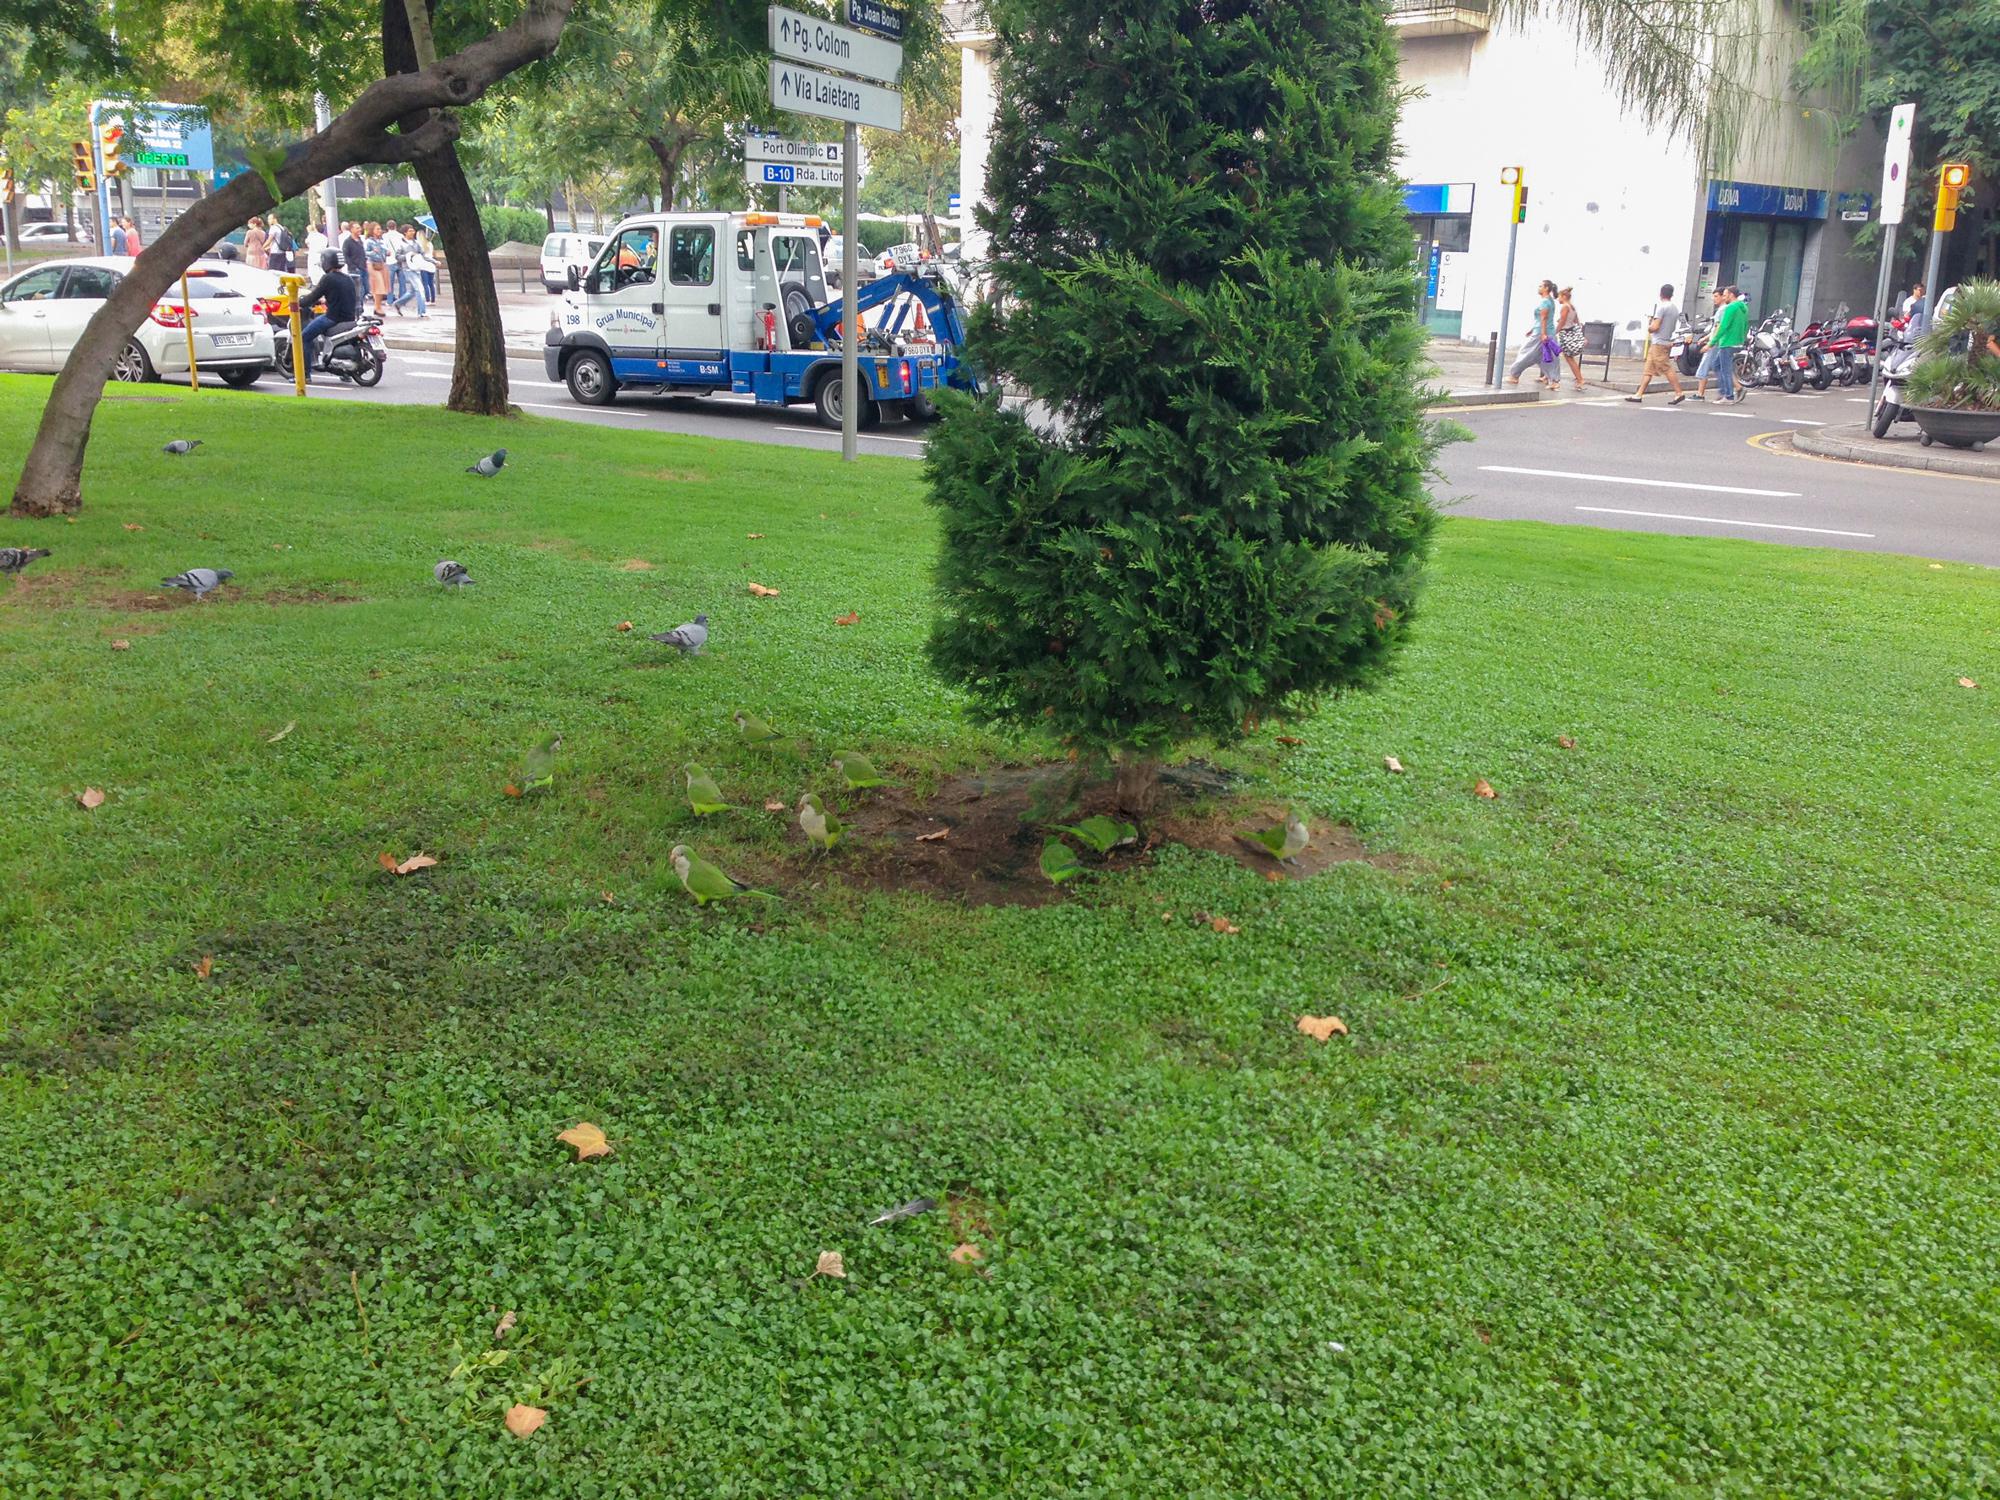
(688,304)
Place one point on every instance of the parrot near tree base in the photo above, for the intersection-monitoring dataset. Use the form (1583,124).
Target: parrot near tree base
(704,881)
(817,823)
(859,770)
(1281,841)
(1059,862)
(1101,833)
(704,796)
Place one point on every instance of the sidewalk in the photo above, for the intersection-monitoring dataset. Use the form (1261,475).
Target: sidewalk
(524,319)
(1461,370)
(1899,450)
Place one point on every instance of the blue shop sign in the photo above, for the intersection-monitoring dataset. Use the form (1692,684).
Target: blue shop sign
(1766,201)
(1429,199)
(1431,272)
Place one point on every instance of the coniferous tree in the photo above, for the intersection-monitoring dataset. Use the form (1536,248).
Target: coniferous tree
(1203,270)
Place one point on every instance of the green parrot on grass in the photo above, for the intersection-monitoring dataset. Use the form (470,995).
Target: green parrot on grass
(1059,862)
(704,881)
(1101,833)
(859,770)
(704,796)
(538,768)
(1281,841)
(818,822)
(753,729)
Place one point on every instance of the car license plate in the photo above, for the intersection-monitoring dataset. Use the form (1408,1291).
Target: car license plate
(230,340)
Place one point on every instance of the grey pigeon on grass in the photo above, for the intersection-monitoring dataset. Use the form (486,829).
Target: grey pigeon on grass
(181,447)
(689,639)
(490,465)
(13,559)
(451,574)
(197,581)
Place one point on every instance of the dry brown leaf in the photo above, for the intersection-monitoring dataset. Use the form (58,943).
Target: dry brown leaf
(1166,916)
(609,899)
(505,1325)
(1566,741)
(1391,764)
(206,967)
(932,838)
(121,645)
(624,625)
(511,790)
(966,1254)
(637,565)
(1319,1028)
(1290,739)
(588,1140)
(1967,682)
(387,861)
(1484,788)
(133,526)
(761,592)
(756,536)
(90,797)
(852,617)
(775,806)
(525,1421)
(1274,876)
(290,725)
(830,1264)
(1223,924)
(408,866)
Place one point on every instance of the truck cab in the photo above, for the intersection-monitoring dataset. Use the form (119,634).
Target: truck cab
(686,304)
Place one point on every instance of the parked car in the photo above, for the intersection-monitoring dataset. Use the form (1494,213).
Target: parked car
(830,258)
(44,234)
(564,249)
(43,313)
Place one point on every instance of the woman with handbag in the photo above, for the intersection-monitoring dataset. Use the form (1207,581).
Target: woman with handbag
(1569,334)
(1540,345)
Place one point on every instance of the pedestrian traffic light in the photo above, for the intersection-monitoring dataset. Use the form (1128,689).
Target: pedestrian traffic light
(86,173)
(113,136)
(1512,177)
(1951,182)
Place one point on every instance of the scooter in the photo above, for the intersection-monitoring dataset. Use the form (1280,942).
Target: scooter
(353,351)
(1899,357)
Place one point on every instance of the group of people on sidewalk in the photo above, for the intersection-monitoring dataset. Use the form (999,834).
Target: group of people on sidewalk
(392,267)
(1554,332)
(1718,356)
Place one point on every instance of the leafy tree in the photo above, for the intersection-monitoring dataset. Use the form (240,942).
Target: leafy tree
(1204,271)
(915,170)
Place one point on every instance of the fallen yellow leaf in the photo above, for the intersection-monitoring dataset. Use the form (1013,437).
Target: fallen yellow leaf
(206,967)
(761,592)
(504,1326)
(394,866)
(775,806)
(90,797)
(852,617)
(624,625)
(756,536)
(121,645)
(1967,682)
(511,790)
(588,1140)
(1290,739)
(290,725)
(609,899)
(1391,764)
(1567,742)
(1319,1028)
(830,1264)
(966,1254)
(1274,876)
(932,838)
(133,526)
(1223,924)
(525,1421)
(1484,788)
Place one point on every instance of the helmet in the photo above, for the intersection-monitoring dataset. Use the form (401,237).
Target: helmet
(227,251)
(329,260)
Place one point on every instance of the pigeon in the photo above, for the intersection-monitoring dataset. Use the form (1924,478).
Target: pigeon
(704,796)
(538,769)
(197,581)
(451,574)
(753,729)
(904,1211)
(704,881)
(858,769)
(1059,862)
(13,559)
(690,638)
(818,824)
(1101,833)
(1281,842)
(490,465)
(182,447)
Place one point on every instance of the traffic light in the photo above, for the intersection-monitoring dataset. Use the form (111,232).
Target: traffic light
(113,136)
(1513,177)
(1951,182)
(86,174)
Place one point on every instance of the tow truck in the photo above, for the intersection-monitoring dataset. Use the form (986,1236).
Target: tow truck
(690,304)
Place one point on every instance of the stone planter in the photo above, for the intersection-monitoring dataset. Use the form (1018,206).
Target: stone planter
(1956,428)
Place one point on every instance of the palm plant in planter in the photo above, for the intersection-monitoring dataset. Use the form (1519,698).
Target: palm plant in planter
(1954,391)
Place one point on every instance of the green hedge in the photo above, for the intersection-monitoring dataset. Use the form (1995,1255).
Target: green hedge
(497,223)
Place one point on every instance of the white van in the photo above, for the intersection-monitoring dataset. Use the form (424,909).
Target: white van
(564,249)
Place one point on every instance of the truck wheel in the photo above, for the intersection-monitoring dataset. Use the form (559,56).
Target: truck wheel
(826,401)
(589,378)
(1885,418)
(923,409)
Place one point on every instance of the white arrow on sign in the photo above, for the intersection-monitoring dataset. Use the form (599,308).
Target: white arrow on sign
(807,91)
(809,39)
(771,148)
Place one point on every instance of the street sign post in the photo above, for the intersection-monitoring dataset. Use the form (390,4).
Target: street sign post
(873,15)
(775,148)
(1895,183)
(808,91)
(821,44)
(1514,178)
(785,175)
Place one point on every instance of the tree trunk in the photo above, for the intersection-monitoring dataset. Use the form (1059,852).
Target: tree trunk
(549,212)
(1138,785)
(668,154)
(14,220)
(51,481)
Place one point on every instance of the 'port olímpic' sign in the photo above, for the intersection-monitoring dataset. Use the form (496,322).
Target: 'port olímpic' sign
(821,44)
(804,153)
(807,91)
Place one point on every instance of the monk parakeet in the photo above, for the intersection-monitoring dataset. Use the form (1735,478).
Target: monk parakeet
(753,729)
(1101,833)
(1059,862)
(1281,842)
(819,824)
(704,881)
(858,769)
(704,796)
(539,766)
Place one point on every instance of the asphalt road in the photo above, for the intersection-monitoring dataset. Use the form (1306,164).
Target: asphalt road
(1688,470)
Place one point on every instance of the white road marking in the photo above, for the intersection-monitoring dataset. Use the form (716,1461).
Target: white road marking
(1651,484)
(512,380)
(1800,422)
(866,437)
(1858,400)
(573,408)
(1659,515)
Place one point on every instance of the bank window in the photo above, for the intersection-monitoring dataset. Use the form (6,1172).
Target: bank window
(691,255)
(628,261)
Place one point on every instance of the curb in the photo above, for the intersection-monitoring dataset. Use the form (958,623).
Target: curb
(1854,445)
(1484,396)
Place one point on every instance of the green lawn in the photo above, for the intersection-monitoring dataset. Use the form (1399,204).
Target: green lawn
(1660,1160)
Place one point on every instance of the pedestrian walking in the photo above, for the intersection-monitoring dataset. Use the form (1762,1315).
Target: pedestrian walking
(1569,333)
(403,281)
(1913,307)
(316,243)
(117,239)
(378,264)
(278,247)
(354,256)
(426,261)
(1659,348)
(1718,356)
(254,240)
(1539,348)
(133,244)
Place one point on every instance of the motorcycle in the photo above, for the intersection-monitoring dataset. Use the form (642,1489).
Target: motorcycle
(1899,357)
(1688,341)
(353,351)
(1757,361)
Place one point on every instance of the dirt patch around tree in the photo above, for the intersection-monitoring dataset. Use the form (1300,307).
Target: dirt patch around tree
(978,839)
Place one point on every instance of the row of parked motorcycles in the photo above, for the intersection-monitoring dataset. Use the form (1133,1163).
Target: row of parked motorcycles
(1838,350)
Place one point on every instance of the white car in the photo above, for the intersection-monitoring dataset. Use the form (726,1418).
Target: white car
(43,313)
(43,234)
(565,249)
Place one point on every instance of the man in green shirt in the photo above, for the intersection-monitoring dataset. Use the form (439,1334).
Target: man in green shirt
(1732,327)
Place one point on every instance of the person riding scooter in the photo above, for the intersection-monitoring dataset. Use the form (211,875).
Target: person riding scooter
(343,305)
